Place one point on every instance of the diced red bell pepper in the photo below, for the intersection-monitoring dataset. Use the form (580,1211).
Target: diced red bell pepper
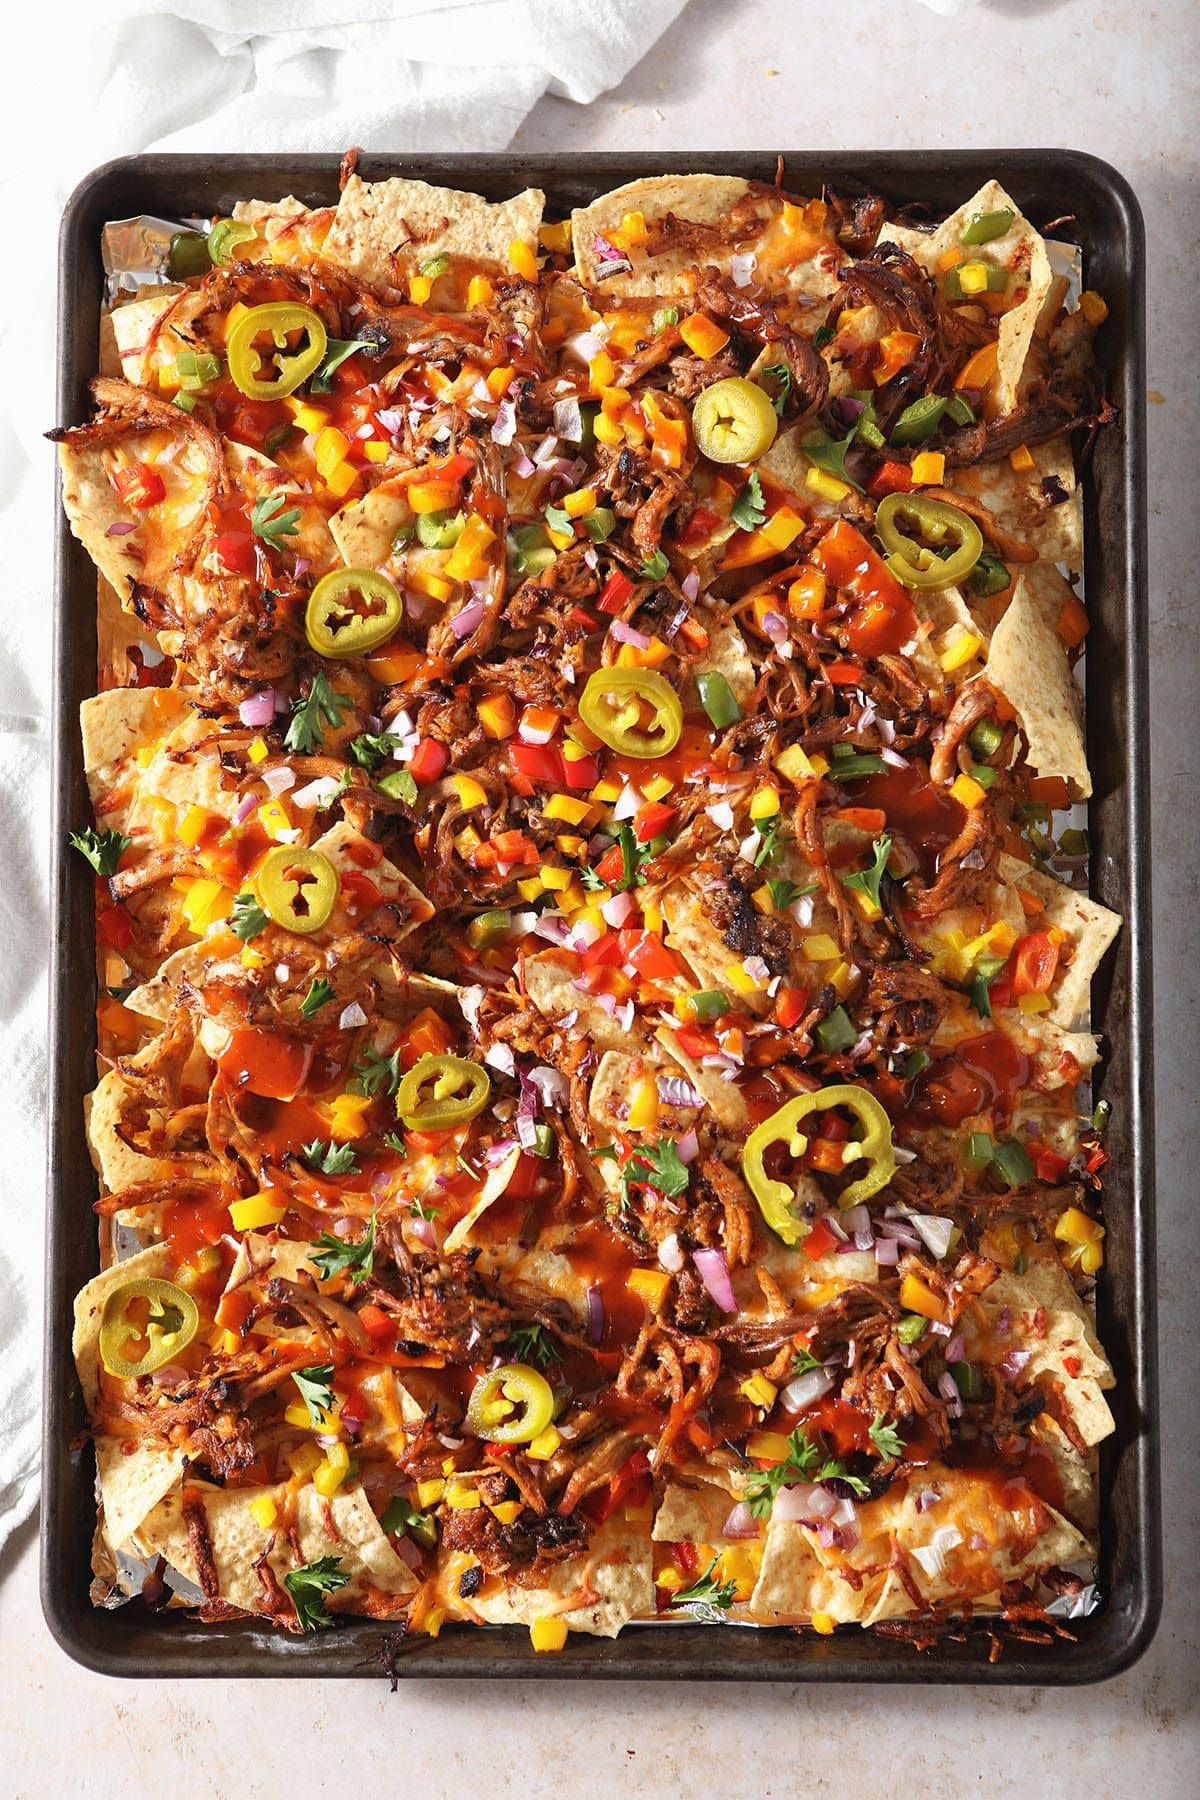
(632,1476)
(583,772)
(430,762)
(890,478)
(819,1242)
(1050,1165)
(1034,963)
(791,1004)
(540,762)
(843,674)
(650,956)
(114,927)
(611,866)
(139,486)
(695,1041)
(377,1323)
(236,552)
(514,847)
(615,593)
(701,525)
(1000,992)
(651,820)
(605,952)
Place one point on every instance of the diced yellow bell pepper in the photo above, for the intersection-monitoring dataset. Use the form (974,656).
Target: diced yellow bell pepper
(252,958)
(304,1459)
(643,1110)
(567,808)
(1021,460)
(764,900)
(531,888)
(967,791)
(1093,308)
(607,430)
(522,260)
(650,1285)
(736,977)
(470,792)
(826,486)
(308,418)
(466,559)
(820,948)
(256,1212)
(467,841)
(497,715)
(462,1496)
(557,236)
(760,1392)
(507,1511)
(480,291)
(258,752)
(431,496)
(543,1446)
(1033,1003)
(554,878)
(841,979)
(548,1634)
(916,1297)
(429,1493)
(601,370)
(331,1473)
(425,581)
(794,765)
(702,335)
(375,450)
(570,845)
(782,528)
(498,380)
(928,468)
(346,1116)
(806,595)
(823,1623)
(330,449)
(274,819)
(264,1511)
(606,792)
(765,803)
(191,826)
(204,902)
(581,501)
(634,230)
(670,1580)
(768,1446)
(960,650)
(973,277)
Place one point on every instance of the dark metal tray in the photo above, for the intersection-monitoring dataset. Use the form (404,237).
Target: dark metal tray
(133,1641)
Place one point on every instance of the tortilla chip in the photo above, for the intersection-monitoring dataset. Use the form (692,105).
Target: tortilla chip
(703,199)
(1027,663)
(258,212)
(1067,1362)
(343,1526)
(140,346)
(548,982)
(117,1164)
(1078,1477)
(115,725)
(365,530)
(1090,927)
(1027,508)
(728,656)
(693,1513)
(794,1582)
(350,853)
(614,1085)
(597,1592)
(725,1098)
(258,474)
(1022,249)
(383,230)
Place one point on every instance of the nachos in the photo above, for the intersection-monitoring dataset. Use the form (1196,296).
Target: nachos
(593,1121)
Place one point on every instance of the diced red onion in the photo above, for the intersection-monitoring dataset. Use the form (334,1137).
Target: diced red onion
(468,620)
(169,1376)
(524,467)
(545,451)
(689,587)
(673,1090)
(244,808)
(849,409)
(568,420)
(391,420)
(625,634)
(887,1252)
(612,260)
(955,1349)
(845,1513)
(741,1523)
(949,1391)
(407,1551)
(122,528)
(855,1219)
(278,781)
(303,565)
(505,428)
(806,1390)
(713,1271)
(583,934)
(315,793)
(892,758)
(553,927)
(927,1498)
(863,1240)
(1004,1321)
(259,709)
(617,909)
(794,1504)
(721,815)
(776,627)
(627,803)
(624,1015)
(687,1148)
(1013,1363)
(934,1232)
(526,1132)
(495,1154)
(901,1231)
(423,1231)
(551,1086)
(595,1307)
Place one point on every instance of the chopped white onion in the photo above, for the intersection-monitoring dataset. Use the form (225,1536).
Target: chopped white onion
(806,1390)
(670,1254)
(352,1017)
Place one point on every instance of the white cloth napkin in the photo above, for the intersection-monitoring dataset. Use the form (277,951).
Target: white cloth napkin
(406,75)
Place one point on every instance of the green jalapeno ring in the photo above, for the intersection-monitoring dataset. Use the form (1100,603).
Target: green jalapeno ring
(173,1322)
(291,366)
(874,1147)
(498,1394)
(440,1111)
(351,611)
(225,237)
(612,704)
(298,888)
(914,560)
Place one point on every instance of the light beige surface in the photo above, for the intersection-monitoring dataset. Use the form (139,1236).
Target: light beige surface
(1110,76)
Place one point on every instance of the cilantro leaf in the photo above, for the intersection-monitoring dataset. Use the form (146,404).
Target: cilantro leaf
(666,1172)
(395,1141)
(830,453)
(803,1462)
(784,893)
(748,510)
(771,832)
(330,1159)
(885,1438)
(783,375)
(337,350)
(654,567)
(371,750)
(247,918)
(333,1255)
(530,1343)
(272,520)
(803,1361)
(318,995)
(591,881)
(375,1074)
(316,1391)
(705,1592)
(103,849)
(318,708)
(980,998)
(867,880)
(308,1585)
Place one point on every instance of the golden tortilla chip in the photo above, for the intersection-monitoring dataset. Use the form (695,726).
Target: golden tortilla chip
(1090,927)
(1027,663)
(693,1512)
(596,1592)
(344,1527)
(703,199)
(1026,503)
(548,982)
(794,1582)
(727,654)
(383,230)
(365,530)
(117,1164)
(1049,1320)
